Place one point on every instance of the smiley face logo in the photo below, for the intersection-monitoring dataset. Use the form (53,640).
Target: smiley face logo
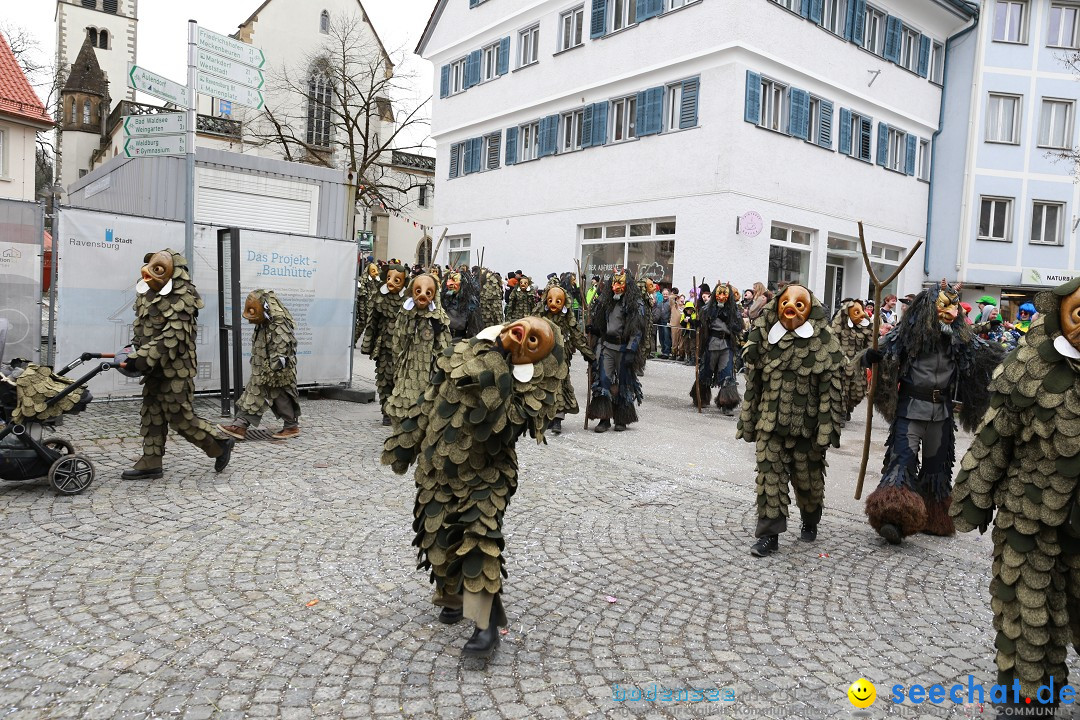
(862,693)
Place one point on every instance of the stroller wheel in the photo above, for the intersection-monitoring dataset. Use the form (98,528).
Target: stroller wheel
(59,445)
(71,474)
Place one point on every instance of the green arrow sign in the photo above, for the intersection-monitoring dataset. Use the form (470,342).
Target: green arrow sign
(232,91)
(231,49)
(222,67)
(160,87)
(157,124)
(135,147)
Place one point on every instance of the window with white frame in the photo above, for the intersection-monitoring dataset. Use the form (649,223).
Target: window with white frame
(773,105)
(937,62)
(1010,21)
(624,118)
(910,41)
(460,250)
(529,141)
(789,257)
(571,127)
(897,156)
(673,109)
(834,16)
(457,160)
(792,5)
(815,119)
(3,157)
(457,76)
(571,23)
(1056,124)
(874,30)
(676,4)
(1063,26)
(1046,223)
(885,260)
(425,193)
(1003,118)
(528,46)
(492,151)
(623,13)
(995,218)
(489,63)
(860,137)
(923,165)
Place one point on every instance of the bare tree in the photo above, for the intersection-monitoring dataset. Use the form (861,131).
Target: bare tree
(344,105)
(1071,60)
(43,76)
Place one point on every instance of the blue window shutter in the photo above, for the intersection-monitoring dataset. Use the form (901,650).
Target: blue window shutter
(647,9)
(894,30)
(598,23)
(599,128)
(472,68)
(655,7)
(912,144)
(856,24)
(502,63)
(650,111)
(511,146)
(478,154)
(924,56)
(804,8)
(587,126)
(491,162)
(752,113)
(689,104)
(444,81)
(845,131)
(549,135)
(467,158)
(866,129)
(473,3)
(882,143)
(799,113)
(825,116)
(817,8)
(454,169)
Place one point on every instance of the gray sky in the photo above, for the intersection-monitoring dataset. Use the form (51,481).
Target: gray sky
(162,26)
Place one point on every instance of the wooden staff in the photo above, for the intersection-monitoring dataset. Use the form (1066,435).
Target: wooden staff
(435,252)
(878,285)
(697,348)
(585,317)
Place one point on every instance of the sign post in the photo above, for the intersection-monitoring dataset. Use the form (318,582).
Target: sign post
(189,214)
(136,147)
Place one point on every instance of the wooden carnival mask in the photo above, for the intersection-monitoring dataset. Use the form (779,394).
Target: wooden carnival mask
(453,282)
(395,280)
(373,270)
(524,283)
(856,313)
(424,289)
(255,311)
(618,284)
(528,340)
(947,303)
(1069,316)
(650,286)
(157,272)
(722,294)
(794,307)
(555,300)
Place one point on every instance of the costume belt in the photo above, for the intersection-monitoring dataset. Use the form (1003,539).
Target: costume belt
(613,338)
(718,334)
(936,395)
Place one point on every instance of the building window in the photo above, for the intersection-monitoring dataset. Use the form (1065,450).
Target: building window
(1003,119)
(924,160)
(792,5)
(645,247)
(1046,223)
(874,32)
(529,142)
(1063,26)
(93,35)
(103,40)
(624,14)
(457,76)
(814,127)
(910,41)
(109,6)
(319,102)
(995,216)
(1010,20)
(86,112)
(676,4)
(570,24)
(92,4)
(457,160)
(937,62)
(324,22)
(71,113)
(1055,125)
(623,119)
(773,105)
(460,251)
(571,124)
(789,257)
(528,42)
(897,156)
(886,259)
(489,66)
(834,16)
(425,190)
(491,151)
(673,112)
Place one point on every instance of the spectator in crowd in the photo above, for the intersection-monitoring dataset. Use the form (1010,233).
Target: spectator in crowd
(761,298)
(675,305)
(593,290)
(661,316)
(687,323)
(987,309)
(888,310)
(966,307)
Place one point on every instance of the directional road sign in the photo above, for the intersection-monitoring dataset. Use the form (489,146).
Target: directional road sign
(231,91)
(157,124)
(135,147)
(237,72)
(160,87)
(231,49)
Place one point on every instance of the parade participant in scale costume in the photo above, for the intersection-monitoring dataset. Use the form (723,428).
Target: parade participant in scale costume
(617,327)
(379,334)
(485,393)
(521,300)
(366,286)
(719,332)
(555,307)
(853,329)
(491,304)
(421,333)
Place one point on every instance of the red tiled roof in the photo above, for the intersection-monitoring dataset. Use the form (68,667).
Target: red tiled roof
(17,98)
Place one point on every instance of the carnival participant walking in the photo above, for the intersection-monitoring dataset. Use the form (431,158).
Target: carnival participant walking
(379,334)
(555,308)
(618,326)
(719,327)
(853,329)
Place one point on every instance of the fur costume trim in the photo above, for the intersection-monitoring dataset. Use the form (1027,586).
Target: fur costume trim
(938,521)
(892,505)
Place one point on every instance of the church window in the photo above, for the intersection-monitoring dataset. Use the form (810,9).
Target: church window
(324,22)
(86,112)
(319,100)
(103,40)
(93,35)
(92,4)
(109,6)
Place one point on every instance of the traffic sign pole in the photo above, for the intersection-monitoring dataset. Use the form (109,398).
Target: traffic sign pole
(189,213)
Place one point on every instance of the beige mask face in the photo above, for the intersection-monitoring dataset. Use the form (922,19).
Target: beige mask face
(453,282)
(395,280)
(528,340)
(722,295)
(794,307)
(856,313)
(947,307)
(254,312)
(556,300)
(618,284)
(1070,318)
(157,270)
(423,291)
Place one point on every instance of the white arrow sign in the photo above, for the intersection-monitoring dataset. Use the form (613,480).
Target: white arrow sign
(160,87)
(237,72)
(231,49)
(226,90)
(135,147)
(158,124)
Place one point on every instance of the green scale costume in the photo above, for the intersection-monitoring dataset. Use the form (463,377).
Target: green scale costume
(461,437)
(573,341)
(854,338)
(491,293)
(1025,463)
(420,335)
(792,410)
(521,302)
(34,386)
(271,384)
(366,288)
(379,334)
(165,354)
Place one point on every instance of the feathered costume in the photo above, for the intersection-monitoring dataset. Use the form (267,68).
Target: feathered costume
(521,301)
(461,437)
(273,365)
(379,334)
(420,336)
(793,407)
(491,294)
(573,341)
(719,332)
(854,338)
(924,369)
(617,327)
(1025,463)
(462,306)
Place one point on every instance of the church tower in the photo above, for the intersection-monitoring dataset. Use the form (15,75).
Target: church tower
(84,110)
(109,25)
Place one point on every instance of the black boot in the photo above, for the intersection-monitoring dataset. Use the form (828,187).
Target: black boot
(222,460)
(603,426)
(556,426)
(891,533)
(483,642)
(449,616)
(386,420)
(809,532)
(620,428)
(765,546)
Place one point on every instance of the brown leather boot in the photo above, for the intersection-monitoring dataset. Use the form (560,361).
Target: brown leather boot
(237,431)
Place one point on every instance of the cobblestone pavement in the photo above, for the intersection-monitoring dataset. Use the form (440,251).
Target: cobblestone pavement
(285,586)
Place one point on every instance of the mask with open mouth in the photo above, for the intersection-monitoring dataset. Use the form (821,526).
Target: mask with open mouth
(794,307)
(424,288)
(453,282)
(528,341)
(856,313)
(395,280)
(1069,316)
(555,300)
(255,311)
(157,272)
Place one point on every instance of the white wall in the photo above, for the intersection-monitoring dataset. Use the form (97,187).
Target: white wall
(17,161)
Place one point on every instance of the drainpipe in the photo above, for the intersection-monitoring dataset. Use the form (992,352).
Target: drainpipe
(941,122)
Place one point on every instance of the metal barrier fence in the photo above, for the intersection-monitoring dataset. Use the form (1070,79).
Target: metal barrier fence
(22,253)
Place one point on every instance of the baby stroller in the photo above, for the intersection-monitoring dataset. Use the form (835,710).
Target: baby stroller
(32,398)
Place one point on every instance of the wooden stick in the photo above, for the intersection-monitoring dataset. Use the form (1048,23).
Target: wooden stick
(435,252)
(878,285)
(697,348)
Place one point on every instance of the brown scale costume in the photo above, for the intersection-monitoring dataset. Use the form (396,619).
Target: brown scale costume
(379,334)
(853,329)
(366,287)
(792,410)
(34,386)
(166,308)
(555,307)
(491,294)
(485,393)
(421,334)
(1024,463)
(522,300)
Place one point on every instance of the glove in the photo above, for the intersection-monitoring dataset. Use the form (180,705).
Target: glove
(870,357)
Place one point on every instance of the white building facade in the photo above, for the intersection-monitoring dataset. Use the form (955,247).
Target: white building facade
(1005,207)
(735,140)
